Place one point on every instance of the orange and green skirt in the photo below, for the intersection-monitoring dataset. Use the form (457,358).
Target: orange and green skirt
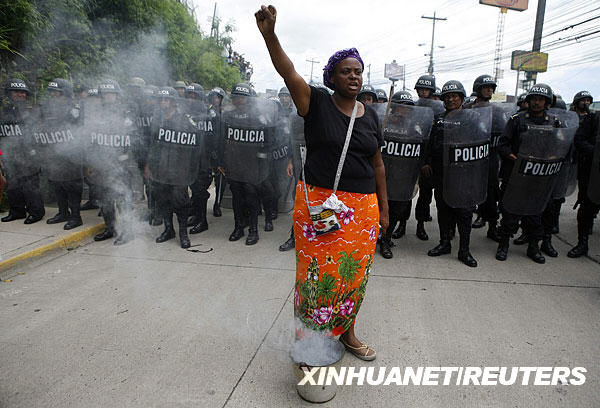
(332,270)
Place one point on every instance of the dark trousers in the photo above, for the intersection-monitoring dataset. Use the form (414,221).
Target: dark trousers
(249,196)
(92,190)
(489,208)
(116,199)
(587,209)
(172,199)
(422,209)
(398,211)
(551,215)
(24,196)
(448,217)
(200,194)
(68,197)
(509,224)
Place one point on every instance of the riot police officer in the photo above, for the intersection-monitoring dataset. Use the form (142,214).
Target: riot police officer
(381,96)
(587,143)
(405,133)
(247,133)
(18,166)
(180,88)
(581,103)
(197,112)
(522,103)
(286,99)
(425,87)
(367,95)
(457,160)
(532,147)
(112,137)
(173,163)
(437,95)
(215,103)
(59,145)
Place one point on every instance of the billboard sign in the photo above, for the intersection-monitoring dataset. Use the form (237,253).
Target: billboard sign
(519,5)
(529,61)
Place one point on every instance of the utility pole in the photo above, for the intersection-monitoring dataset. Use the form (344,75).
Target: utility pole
(434,18)
(312,63)
(369,74)
(537,34)
(403,78)
(214,26)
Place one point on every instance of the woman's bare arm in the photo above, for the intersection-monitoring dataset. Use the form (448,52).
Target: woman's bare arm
(381,189)
(299,90)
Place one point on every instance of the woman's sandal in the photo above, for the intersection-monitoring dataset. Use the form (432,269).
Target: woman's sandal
(360,352)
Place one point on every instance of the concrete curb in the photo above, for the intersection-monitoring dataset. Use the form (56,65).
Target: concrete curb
(64,242)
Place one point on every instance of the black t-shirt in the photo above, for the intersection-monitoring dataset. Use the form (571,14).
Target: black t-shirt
(325,128)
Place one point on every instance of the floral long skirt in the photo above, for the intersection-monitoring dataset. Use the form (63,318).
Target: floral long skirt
(332,270)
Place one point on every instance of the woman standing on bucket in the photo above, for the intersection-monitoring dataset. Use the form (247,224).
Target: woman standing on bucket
(332,269)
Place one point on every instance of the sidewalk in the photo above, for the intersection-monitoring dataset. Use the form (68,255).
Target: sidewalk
(20,242)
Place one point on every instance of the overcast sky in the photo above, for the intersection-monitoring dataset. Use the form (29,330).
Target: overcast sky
(387,30)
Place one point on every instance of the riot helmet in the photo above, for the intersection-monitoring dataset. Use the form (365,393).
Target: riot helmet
(453,87)
(17,85)
(284,91)
(403,97)
(109,86)
(241,89)
(194,90)
(367,91)
(483,80)
(426,82)
(381,95)
(217,91)
(582,95)
(166,92)
(136,82)
(559,103)
(541,90)
(93,93)
(437,94)
(285,98)
(62,86)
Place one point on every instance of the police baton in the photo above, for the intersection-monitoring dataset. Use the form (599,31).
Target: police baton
(389,104)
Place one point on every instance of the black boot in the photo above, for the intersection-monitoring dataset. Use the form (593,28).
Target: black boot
(289,244)
(169,232)
(32,219)
(421,233)
(155,219)
(533,252)
(268,225)
(400,231)
(106,234)
(580,249)
(123,238)
(443,248)
(182,219)
(547,247)
(385,248)
(479,222)
(493,232)
(58,218)
(521,240)
(201,223)
(12,216)
(464,255)
(74,222)
(217,210)
(502,251)
(252,236)
(90,205)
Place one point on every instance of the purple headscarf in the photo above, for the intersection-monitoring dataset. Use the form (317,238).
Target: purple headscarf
(334,60)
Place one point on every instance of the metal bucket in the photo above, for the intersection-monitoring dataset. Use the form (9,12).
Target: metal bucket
(317,351)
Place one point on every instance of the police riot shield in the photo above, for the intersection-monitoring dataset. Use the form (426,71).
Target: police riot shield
(15,142)
(501,112)
(57,142)
(248,131)
(436,106)
(566,180)
(110,140)
(175,153)
(280,156)
(466,156)
(541,156)
(593,191)
(298,144)
(405,134)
